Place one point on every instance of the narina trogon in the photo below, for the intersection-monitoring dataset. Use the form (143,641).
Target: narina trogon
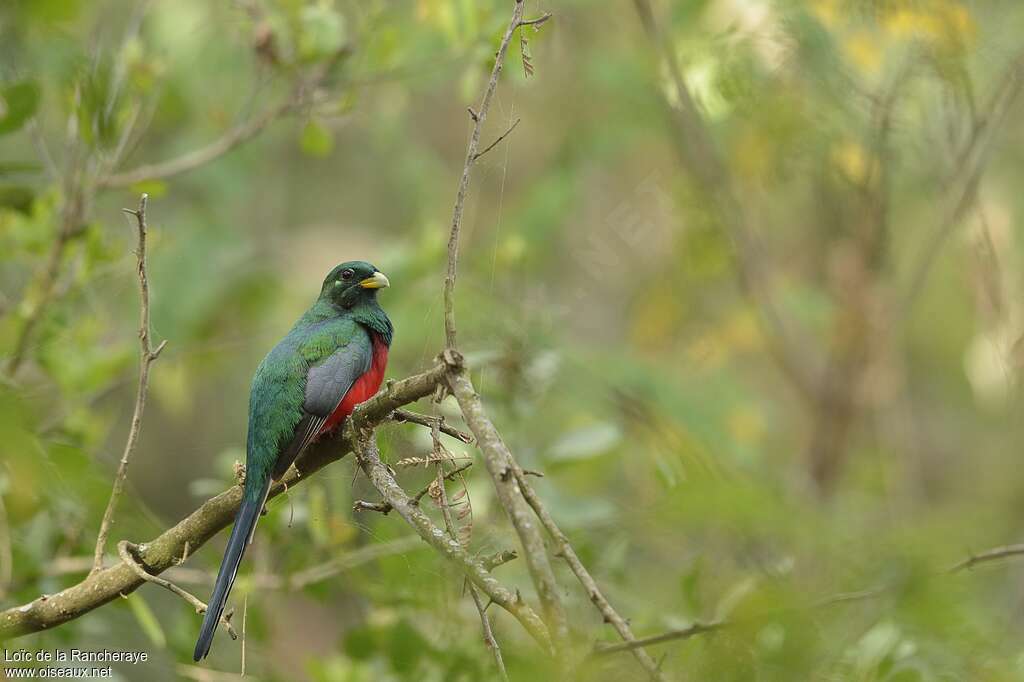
(331,360)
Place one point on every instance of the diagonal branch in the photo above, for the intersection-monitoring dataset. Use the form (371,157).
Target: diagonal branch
(235,137)
(485,622)
(511,483)
(126,551)
(147,355)
(369,460)
(971,162)
(993,554)
(500,465)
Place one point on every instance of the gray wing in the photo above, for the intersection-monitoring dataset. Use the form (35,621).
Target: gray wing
(326,385)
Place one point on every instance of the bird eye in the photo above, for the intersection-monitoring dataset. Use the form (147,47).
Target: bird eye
(347,273)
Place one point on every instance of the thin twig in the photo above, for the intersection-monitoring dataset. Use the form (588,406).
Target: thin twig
(126,551)
(198,157)
(498,141)
(385,508)
(478,117)
(499,558)
(147,355)
(679,633)
(403,416)
(485,621)
(536,22)
(489,638)
(500,464)
(566,551)
(380,476)
(233,138)
(993,554)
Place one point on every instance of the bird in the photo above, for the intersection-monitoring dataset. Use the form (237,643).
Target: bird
(333,358)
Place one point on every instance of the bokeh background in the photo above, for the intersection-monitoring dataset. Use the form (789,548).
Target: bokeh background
(625,333)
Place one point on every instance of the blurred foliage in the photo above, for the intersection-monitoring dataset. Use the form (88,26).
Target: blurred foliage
(597,295)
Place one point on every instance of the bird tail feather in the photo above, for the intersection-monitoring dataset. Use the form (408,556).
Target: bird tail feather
(241,536)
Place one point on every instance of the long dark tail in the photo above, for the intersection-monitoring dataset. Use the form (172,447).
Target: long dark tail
(241,536)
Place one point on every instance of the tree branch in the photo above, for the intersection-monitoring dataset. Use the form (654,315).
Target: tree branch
(44,283)
(163,552)
(126,549)
(235,137)
(501,465)
(513,490)
(497,141)
(478,116)
(147,355)
(993,554)
(679,633)
(403,416)
(970,166)
(485,622)
(385,508)
(381,478)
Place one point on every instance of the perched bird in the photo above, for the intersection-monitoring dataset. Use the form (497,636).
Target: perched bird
(332,360)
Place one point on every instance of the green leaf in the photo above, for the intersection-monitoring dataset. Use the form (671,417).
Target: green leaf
(316,139)
(323,32)
(147,621)
(18,103)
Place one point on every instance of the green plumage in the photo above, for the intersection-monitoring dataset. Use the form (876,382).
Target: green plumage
(311,378)
(279,385)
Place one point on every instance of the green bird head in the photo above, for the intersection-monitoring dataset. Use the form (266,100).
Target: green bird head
(353,283)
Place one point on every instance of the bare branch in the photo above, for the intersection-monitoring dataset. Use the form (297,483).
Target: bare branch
(146,357)
(478,116)
(125,550)
(536,22)
(199,157)
(385,508)
(500,465)
(566,551)
(512,485)
(402,416)
(384,482)
(499,558)
(485,621)
(994,554)
(498,141)
(679,633)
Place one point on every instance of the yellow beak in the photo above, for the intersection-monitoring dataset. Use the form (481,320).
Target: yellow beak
(377,281)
